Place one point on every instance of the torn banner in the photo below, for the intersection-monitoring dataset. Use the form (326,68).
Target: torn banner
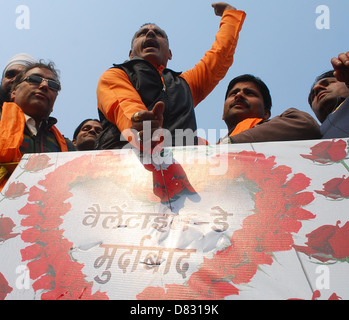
(260,221)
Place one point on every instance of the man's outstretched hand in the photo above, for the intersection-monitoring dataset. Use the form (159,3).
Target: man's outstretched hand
(148,122)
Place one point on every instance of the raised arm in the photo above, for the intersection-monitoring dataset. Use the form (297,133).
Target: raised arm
(212,68)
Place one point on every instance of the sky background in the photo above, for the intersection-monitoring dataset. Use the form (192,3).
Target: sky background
(280,42)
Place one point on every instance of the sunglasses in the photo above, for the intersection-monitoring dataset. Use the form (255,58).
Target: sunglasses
(37,80)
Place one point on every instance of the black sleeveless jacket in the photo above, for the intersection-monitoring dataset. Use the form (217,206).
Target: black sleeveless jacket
(174,92)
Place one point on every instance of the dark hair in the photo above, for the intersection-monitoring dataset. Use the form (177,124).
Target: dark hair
(327,74)
(41,64)
(147,24)
(258,82)
(77,130)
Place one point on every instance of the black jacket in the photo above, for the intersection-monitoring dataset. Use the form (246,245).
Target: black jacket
(171,89)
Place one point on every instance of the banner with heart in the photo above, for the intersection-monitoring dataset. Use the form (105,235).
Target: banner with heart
(249,221)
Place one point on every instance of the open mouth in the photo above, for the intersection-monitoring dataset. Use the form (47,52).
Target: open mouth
(150,44)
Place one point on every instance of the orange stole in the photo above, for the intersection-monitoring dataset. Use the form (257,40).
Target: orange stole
(12,125)
(245,125)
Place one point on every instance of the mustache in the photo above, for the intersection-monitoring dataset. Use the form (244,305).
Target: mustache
(240,101)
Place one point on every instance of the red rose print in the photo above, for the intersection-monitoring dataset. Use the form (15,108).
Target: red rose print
(328,151)
(272,223)
(37,162)
(15,190)
(6,229)
(170,182)
(5,289)
(272,227)
(317,295)
(156,291)
(47,256)
(328,243)
(340,243)
(334,297)
(336,188)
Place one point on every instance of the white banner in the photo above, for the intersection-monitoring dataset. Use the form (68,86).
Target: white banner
(259,221)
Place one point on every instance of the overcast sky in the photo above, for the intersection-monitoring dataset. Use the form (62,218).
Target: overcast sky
(285,43)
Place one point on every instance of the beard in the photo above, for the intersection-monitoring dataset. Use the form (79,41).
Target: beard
(4,96)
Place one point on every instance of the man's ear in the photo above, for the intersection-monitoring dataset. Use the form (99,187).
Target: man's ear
(130,55)
(267,114)
(169,54)
(13,94)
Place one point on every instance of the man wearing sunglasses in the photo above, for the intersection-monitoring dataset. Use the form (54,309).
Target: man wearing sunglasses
(25,122)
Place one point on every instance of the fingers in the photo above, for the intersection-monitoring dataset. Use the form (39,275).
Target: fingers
(144,120)
(155,114)
(154,117)
(341,67)
(146,123)
(141,116)
(136,117)
(342,60)
(220,7)
(158,111)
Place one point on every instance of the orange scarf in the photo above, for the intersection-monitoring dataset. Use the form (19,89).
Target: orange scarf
(245,125)
(12,125)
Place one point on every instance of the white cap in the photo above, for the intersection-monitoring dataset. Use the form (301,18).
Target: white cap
(23,59)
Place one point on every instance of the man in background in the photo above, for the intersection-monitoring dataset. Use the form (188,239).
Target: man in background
(14,66)
(247,110)
(25,122)
(329,100)
(86,133)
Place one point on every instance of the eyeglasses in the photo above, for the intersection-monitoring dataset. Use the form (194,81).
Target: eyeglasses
(37,80)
